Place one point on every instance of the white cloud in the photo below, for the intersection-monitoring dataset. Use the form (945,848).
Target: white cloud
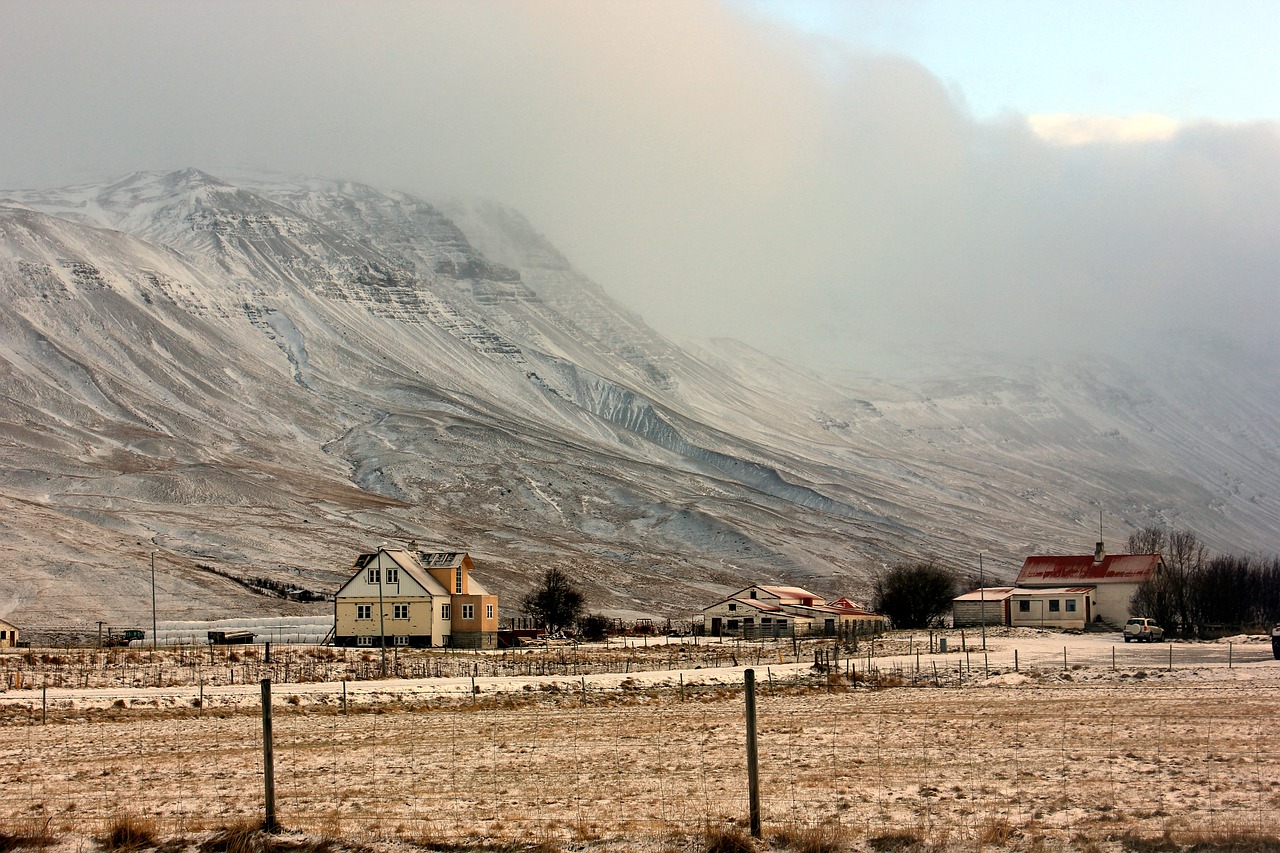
(1067,129)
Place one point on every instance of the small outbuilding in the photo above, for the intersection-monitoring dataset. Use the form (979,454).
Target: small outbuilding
(8,635)
(988,605)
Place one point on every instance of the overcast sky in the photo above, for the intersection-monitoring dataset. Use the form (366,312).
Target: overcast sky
(820,177)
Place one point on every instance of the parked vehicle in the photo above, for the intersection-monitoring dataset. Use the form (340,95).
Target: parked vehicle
(1275,641)
(1142,630)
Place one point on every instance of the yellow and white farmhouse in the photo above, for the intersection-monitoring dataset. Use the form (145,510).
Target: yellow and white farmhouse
(407,597)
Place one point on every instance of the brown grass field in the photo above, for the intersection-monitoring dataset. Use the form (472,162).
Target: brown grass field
(1054,761)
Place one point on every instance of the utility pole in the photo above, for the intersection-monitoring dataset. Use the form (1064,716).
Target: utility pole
(382,616)
(982,598)
(153,601)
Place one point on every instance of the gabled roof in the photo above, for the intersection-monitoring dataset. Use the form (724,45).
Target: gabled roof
(1113,568)
(411,563)
(793,594)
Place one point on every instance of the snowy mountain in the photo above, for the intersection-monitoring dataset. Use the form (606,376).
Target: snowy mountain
(261,378)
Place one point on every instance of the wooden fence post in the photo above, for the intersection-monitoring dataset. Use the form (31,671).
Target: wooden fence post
(268,762)
(753,770)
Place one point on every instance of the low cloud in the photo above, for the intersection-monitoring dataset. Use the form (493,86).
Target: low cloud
(718,173)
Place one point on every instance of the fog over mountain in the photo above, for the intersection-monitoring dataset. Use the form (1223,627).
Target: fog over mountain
(261,376)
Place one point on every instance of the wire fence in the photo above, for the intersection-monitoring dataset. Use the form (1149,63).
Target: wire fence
(943,765)
(915,659)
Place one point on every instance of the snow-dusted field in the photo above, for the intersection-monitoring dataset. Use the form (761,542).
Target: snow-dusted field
(1086,757)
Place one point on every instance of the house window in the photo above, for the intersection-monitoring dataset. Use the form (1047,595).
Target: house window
(488,611)
(468,611)
(444,611)
(400,611)
(1024,606)
(733,624)
(393,575)
(375,574)
(753,593)
(1054,606)
(400,640)
(457,581)
(1071,605)
(732,607)
(364,641)
(364,611)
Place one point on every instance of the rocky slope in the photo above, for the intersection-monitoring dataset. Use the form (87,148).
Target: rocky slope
(263,377)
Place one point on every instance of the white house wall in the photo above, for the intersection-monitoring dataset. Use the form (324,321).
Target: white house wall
(1113,601)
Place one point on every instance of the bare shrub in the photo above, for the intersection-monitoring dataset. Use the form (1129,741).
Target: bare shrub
(129,832)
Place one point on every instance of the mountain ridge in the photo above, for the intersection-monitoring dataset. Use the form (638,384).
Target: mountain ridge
(270,375)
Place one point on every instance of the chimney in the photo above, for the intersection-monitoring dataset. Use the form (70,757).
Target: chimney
(1098,553)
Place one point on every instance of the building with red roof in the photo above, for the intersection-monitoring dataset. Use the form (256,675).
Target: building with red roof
(1113,577)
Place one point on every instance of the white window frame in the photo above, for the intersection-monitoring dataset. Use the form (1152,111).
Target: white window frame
(488,611)
(444,611)
(364,612)
(364,640)
(457,581)
(468,612)
(399,611)
(374,574)
(393,574)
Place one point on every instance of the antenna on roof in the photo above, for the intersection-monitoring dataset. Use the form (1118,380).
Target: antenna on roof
(1099,524)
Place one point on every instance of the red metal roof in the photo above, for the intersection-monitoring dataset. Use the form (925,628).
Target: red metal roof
(1064,571)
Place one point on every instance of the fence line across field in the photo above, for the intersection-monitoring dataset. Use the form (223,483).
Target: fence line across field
(1061,761)
(215,667)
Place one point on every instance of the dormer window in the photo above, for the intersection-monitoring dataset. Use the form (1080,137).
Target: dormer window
(753,593)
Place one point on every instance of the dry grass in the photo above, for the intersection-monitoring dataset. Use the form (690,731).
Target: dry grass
(997,831)
(901,841)
(130,832)
(727,839)
(27,834)
(814,839)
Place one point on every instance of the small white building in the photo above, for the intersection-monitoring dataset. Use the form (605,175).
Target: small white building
(1115,577)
